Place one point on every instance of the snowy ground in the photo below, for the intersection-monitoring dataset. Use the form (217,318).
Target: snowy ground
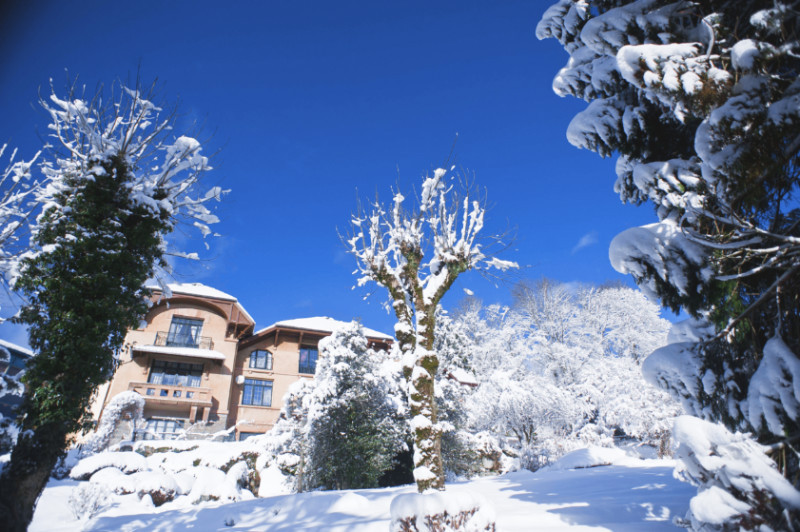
(636,496)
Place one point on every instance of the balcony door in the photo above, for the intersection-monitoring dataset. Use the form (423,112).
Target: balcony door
(184,332)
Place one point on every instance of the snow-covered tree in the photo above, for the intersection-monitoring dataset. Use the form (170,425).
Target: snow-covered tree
(120,182)
(21,197)
(356,423)
(700,102)
(561,368)
(416,255)
(9,385)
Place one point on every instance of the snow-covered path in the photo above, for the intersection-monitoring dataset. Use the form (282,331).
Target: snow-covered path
(632,498)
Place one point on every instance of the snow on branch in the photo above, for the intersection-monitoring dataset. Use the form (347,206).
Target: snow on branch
(129,133)
(423,250)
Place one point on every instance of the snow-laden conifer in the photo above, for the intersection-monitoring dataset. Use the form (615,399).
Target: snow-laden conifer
(700,101)
(356,418)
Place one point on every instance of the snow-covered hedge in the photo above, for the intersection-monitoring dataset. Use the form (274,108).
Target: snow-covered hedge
(126,461)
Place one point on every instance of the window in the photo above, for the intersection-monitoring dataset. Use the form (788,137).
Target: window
(175,374)
(244,435)
(308,360)
(261,359)
(257,393)
(184,332)
(161,429)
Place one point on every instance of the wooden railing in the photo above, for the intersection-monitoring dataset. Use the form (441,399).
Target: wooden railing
(165,393)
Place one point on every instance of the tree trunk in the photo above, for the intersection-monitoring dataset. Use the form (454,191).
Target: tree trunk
(428,466)
(26,475)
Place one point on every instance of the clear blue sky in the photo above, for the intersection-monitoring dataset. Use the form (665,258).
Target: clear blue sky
(307,101)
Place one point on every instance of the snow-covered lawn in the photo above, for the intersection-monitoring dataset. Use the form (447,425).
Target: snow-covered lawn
(637,496)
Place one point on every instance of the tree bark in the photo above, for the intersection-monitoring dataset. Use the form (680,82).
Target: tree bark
(27,473)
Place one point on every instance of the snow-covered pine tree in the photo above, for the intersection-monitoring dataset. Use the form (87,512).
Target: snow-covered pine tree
(355,424)
(417,255)
(120,182)
(701,101)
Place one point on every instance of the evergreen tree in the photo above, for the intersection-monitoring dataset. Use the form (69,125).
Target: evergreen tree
(355,425)
(700,100)
(117,186)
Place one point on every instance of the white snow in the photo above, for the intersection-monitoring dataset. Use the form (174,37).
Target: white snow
(181,351)
(128,462)
(9,345)
(321,324)
(200,290)
(744,53)
(642,495)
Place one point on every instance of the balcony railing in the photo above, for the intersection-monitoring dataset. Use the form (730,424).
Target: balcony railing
(166,339)
(165,393)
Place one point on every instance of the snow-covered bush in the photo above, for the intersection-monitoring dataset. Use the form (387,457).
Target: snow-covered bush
(87,499)
(212,484)
(114,480)
(160,487)
(125,405)
(442,512)
(739,486)
(126,461)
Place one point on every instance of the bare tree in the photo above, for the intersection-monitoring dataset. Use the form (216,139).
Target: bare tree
(417,255)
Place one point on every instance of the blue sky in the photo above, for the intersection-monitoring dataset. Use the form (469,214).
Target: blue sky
(305,102)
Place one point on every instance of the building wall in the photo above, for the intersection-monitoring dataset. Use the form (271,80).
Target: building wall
(286,360)
(135,366)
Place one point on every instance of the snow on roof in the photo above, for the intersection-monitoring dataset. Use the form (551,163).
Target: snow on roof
(322,324)
(201,290)
(464,377)
(180,351)
(195,289)
(23,350)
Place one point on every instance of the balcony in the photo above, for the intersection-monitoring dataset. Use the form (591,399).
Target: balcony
(165,339)
(172,394)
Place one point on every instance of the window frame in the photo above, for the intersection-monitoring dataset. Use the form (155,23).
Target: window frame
(268,359)
(192,376)
(249,389)
(310,362)
(183,329)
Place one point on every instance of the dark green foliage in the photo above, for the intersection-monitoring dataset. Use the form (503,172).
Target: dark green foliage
(83,294)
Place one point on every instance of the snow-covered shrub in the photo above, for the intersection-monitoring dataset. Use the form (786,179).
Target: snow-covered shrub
(160,487)
(87,499)
(354,428)
(442,512)
(125,405)
(126,461)
(739,486)
(212,484)
(114,480)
